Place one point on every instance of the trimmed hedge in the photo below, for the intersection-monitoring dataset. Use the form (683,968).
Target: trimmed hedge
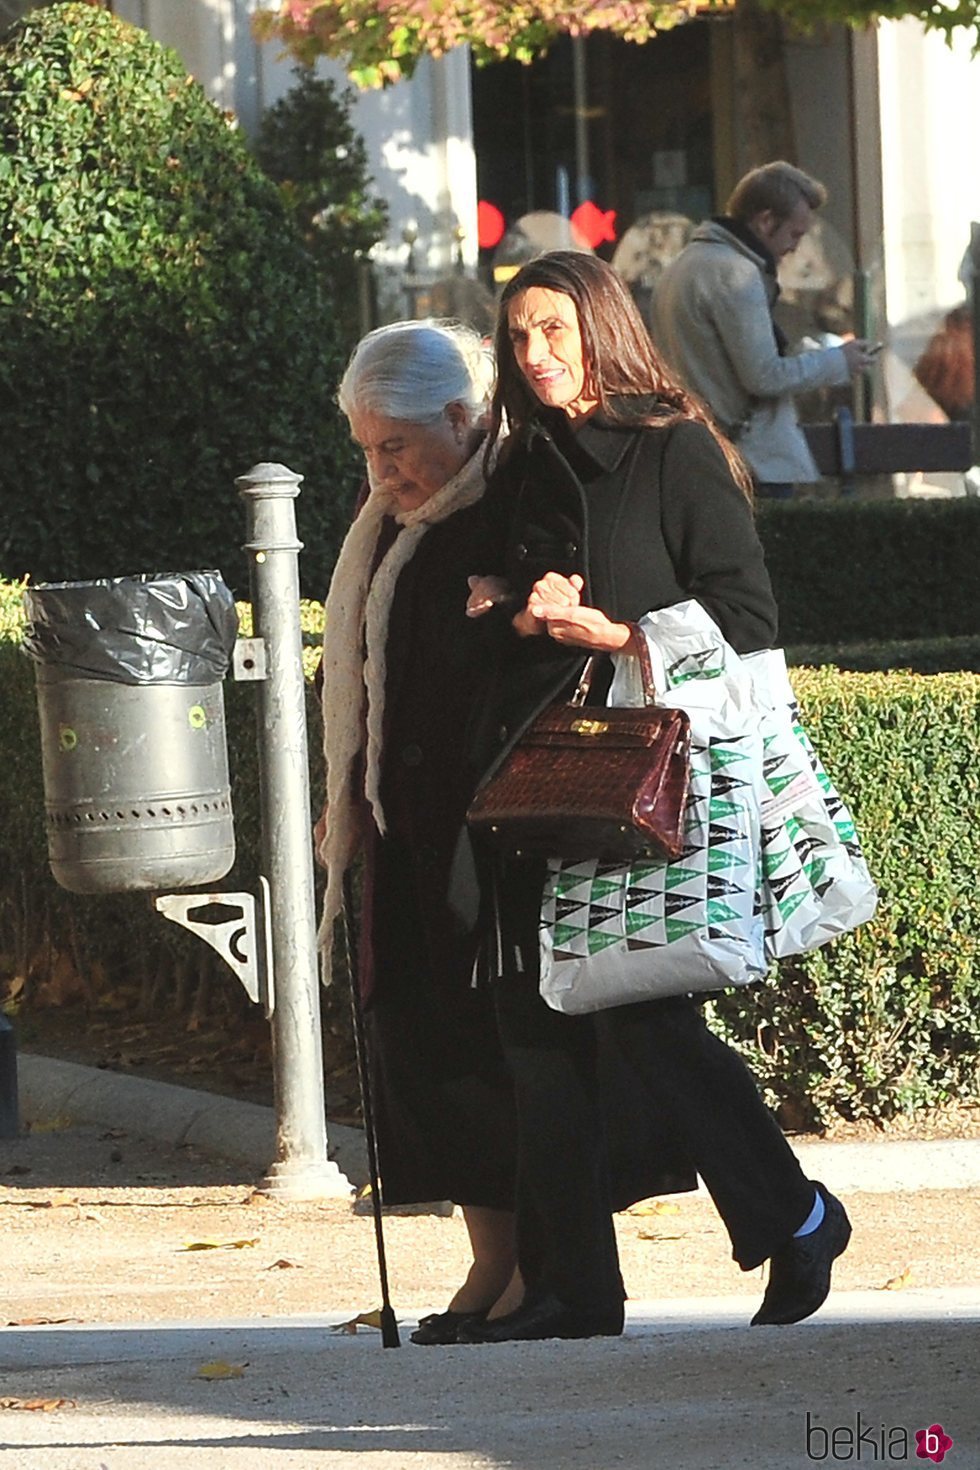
(882,1022)
(886,1020)
(850,571)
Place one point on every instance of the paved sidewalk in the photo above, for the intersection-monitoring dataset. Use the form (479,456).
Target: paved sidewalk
(699,1392)
(96,1228)
(245,1132)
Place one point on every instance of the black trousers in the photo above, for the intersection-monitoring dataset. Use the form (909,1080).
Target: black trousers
(710,1108)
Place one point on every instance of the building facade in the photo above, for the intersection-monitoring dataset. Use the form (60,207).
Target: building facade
(633,143)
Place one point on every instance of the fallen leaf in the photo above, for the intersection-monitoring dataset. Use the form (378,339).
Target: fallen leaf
(61,1199)
(44,1405)
(364,1192)
(282,1265)
(655,1235)
(653,1207)
(50,1125)
(219,1245)
(363,1319)
(899,1282)
(221,1370)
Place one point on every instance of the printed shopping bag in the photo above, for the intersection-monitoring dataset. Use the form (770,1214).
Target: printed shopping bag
(611,933)
(816,883)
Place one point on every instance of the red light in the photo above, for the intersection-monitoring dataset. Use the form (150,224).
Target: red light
(490,225)
(594,224)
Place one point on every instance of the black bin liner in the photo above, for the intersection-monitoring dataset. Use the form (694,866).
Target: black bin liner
(154,628)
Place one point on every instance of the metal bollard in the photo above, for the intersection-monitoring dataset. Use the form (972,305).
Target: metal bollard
(301,1169)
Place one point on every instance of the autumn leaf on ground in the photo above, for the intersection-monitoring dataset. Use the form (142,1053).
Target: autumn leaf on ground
(899,1282)
(656,1235)
(282,1265)
(653,1207)
(61,1199)
(364,1192)
(212,1371)
(363,1319)
(50,1125)
(218,1245)
(45,1406)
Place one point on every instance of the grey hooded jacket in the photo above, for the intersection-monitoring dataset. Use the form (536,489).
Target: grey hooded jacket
(712,321)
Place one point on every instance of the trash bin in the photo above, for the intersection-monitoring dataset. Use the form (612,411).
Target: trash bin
(133,748)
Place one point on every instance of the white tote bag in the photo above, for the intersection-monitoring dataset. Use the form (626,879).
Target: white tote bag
(613,934)
(816,883)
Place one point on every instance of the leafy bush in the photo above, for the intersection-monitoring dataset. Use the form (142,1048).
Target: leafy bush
(886,1020)
(852,571)
(163,325)
(881,1022)
(306,143)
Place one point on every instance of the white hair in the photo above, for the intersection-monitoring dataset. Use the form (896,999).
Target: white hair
(413,370)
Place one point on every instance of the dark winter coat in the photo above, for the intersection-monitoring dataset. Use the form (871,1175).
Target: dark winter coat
(649,516)
(444,1105)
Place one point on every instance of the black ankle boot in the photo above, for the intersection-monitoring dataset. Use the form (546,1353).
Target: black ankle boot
(546,1317)
(439,1329)
(799,1273)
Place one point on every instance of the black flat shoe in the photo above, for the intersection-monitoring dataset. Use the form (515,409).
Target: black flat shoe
(799,1273)
(439,1329)
(548,1317)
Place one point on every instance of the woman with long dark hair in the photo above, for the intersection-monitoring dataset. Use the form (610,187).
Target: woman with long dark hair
(622,498)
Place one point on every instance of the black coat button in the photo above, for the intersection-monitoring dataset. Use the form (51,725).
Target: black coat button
(412,755)
(571,548)
(503,734)
(520,551)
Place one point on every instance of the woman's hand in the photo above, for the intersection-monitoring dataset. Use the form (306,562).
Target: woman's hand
(552,590)
(555,608)
(485,593)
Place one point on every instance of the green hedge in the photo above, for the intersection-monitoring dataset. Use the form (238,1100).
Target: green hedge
(886,1020)
(882,1022)
(852,571)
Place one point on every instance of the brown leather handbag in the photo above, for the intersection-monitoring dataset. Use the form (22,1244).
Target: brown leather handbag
(587,781)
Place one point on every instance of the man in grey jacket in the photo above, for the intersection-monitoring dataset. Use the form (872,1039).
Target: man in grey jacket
(712,320)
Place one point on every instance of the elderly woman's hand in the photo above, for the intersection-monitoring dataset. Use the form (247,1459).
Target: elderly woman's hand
(555,608)
(485,593)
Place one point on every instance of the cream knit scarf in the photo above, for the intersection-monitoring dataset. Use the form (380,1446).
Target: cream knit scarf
(356,633)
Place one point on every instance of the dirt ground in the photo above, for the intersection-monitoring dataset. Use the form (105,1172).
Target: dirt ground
(97,1226)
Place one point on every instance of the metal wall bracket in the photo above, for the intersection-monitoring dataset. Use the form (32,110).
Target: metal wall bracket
(236,926)
(248,661)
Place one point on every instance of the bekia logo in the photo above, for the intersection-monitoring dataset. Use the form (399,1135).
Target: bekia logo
(869,1442)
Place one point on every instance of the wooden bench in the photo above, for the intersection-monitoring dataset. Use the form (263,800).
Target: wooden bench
(845,449)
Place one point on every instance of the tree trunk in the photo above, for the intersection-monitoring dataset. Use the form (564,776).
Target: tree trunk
(764,128)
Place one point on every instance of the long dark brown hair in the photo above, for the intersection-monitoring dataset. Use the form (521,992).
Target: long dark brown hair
(621,362)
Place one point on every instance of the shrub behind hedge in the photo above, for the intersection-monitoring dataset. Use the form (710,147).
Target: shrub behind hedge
(853,571)
(162,323)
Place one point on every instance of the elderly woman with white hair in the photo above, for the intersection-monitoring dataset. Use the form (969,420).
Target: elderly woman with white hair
(403,668)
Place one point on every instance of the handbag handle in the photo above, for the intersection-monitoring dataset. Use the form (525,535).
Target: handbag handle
(646,670)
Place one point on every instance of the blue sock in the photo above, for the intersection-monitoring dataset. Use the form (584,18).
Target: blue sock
(814,1220)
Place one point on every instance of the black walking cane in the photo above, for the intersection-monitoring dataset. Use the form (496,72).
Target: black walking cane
(389,1326)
